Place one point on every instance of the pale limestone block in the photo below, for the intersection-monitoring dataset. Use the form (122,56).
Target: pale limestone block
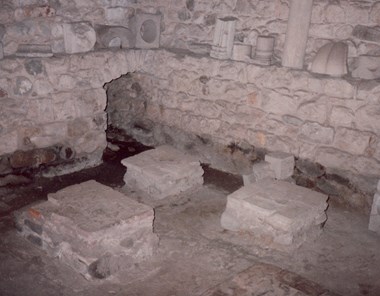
(316,133)
(91,102)
(313,111)
(162,172)
(91,214)
(374,223)
(368,117)
(64,105)
(333,158)
(260,171)
(353,141)
(285,213)
(8,142)
(334,14)
(281,163)
(42,86)
(41,110)
(341,116)
(90,142)
(375,210)
(339,88)
(365,165)
(375,13)
(78,37)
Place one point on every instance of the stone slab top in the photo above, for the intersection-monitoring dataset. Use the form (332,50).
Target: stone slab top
(280,195)
(162,161)
(92,206)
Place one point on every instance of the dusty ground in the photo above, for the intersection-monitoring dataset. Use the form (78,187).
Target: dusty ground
(195,254)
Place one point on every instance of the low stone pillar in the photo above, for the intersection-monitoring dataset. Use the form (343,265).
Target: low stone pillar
(297,33)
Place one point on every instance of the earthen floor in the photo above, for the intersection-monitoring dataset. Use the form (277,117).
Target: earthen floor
(195,254)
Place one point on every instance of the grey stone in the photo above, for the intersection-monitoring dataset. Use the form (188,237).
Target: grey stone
(284,213)
(316,133)
(23,86)
(366,67)
(309,168)
(1,51)
(34,50)
(378,186)
(37,228)
(163,172)
(89,222)
(35,240)
(13,180)
(114,36)
(78,37)
(367,33)
(34,67)
(281,163)
(260,171)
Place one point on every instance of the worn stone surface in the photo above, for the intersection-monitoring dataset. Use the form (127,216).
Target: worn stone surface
(260,171)
(78,37)
(281,163)
(163,172)
(279,214)
(91,228)
(259,279)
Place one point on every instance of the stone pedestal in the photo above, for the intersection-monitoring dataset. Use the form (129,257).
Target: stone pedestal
(279,215)
(281,163)
(374,219)
(92,228)
(162,172)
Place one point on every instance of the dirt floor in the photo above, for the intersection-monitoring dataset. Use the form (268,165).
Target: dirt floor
(195,255)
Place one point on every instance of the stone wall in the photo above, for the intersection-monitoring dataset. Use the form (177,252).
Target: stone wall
(180,92)
(190,24)
(192,101)
(58,102)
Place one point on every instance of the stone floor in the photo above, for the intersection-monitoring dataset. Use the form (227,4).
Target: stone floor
(196,256)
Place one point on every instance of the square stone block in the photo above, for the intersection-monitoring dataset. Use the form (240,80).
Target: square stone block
(91,227)
(260,171)
(284,213)
(374,218)
(282,164)
(147,28)
(162,172)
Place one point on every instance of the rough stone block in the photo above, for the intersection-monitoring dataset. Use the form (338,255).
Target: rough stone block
(281,163)
(163,172)
(78,37)
(374,219)
(89,226)
(260,171)
(285,214)
(366,67)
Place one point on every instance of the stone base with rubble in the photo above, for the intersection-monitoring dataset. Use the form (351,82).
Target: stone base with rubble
(162,172)
(93,228)
(278,214)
